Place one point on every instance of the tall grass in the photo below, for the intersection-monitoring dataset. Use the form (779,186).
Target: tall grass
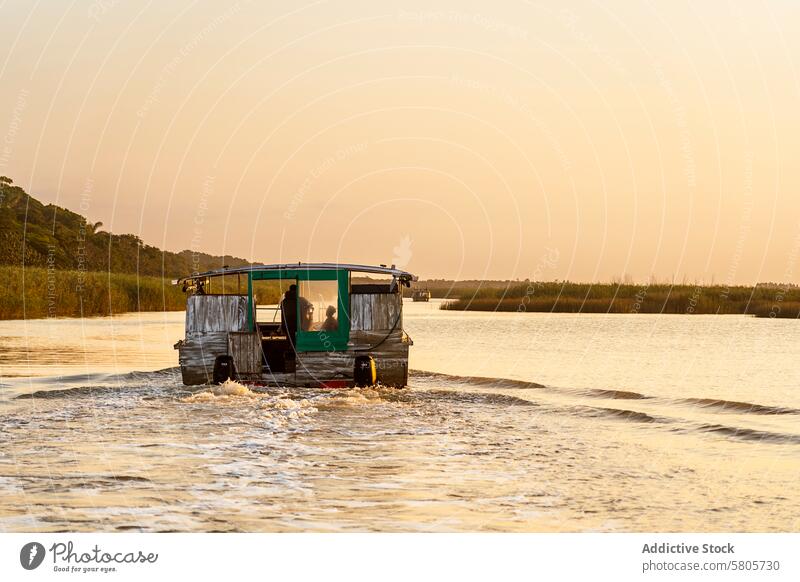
(762,301)
(40,292)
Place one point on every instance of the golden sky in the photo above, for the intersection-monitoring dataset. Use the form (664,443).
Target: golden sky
(584,141)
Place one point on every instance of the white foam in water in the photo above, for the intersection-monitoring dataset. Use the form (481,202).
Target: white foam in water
(278,410)
(221,392)
(232,388)
(281,410)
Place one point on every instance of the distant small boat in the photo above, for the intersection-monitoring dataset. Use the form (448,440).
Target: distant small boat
(327,331)
(421,295)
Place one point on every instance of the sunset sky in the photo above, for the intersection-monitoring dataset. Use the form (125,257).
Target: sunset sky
(456,139)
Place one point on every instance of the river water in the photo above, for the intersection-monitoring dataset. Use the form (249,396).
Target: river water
(512,422)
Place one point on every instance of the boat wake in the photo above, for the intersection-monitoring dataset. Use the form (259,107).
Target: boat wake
(505,383)
(674,414)
(281,406)
(478,381)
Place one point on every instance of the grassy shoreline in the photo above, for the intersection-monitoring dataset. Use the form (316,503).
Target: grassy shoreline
(772,301)
(61,293)
(70,293)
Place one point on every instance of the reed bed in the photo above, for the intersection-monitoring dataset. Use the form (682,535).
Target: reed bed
(35,292)
(772,301)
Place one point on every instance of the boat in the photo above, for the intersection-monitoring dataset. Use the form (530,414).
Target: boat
(326,331)
(421,295)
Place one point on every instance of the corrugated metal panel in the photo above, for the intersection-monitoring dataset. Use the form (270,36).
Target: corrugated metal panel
(245,347)
(392,371)
(315,367)
(198,353)
(380,340)
(375,311)
(390,351)
(207,313)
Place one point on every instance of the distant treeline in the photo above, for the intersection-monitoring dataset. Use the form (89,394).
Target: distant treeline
(55,263)
(38,235)
(36,292)
(563,297)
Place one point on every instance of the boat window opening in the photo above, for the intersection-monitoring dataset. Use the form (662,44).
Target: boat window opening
(267,296)
(219,285)
(318,306)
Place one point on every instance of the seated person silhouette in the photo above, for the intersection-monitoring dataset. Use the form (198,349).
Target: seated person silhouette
(331,323)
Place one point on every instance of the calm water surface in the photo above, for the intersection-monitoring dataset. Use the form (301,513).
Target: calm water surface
(512,422)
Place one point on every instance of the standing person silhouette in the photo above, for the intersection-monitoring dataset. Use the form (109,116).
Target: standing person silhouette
(289,313)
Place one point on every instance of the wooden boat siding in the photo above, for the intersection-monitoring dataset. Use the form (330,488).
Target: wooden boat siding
(209,318)
(317,367)
(245,347)
(375,311)
(383,341)
(377,330)
(216,313)
(197,355)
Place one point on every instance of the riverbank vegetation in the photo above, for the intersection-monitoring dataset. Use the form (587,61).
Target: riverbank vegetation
(34,234)
(36,292)
(57,263)
(764,300)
